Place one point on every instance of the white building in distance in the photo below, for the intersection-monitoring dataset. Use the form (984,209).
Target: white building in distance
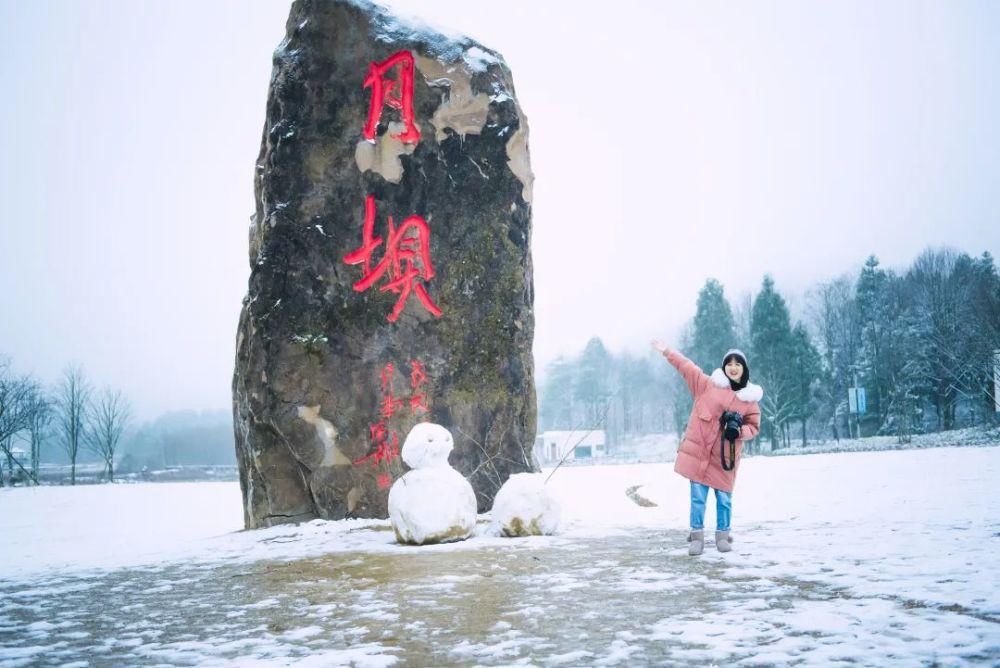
(552,446)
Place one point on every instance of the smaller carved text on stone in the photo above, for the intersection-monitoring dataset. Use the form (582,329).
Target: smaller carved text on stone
(384,439)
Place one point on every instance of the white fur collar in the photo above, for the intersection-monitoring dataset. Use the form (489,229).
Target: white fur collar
(751,392)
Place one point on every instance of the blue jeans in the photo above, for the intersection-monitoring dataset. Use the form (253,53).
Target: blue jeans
(723,507)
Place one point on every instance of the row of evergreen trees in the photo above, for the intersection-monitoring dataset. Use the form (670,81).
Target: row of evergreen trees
(921,343)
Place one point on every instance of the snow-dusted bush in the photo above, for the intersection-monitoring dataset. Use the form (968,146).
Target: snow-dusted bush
(433,503)
(524,506)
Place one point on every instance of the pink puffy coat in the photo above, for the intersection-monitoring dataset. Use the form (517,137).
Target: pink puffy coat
(698,457)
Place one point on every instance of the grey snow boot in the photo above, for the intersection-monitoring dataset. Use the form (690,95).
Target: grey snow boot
(697,540)
(723,541)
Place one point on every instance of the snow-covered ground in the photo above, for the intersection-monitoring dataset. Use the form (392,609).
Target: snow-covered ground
(959,437)
(875,558)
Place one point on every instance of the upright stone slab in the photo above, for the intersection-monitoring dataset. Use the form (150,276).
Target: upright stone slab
(390,267)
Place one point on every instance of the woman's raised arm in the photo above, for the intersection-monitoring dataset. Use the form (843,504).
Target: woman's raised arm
(696,379)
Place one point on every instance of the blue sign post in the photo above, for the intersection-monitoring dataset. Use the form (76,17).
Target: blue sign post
(857,400)
(996,379)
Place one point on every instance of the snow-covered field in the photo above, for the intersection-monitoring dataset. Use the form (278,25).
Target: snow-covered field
(872,558)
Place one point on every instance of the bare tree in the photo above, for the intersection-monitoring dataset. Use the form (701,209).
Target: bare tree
(5,447)
(41,417)
(72,401)
(15,393)
(835,329)
(19,401)
(778,406)
(107,419)
(940,296)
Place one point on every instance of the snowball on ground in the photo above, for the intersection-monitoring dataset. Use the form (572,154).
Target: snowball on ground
(432,505)
(524,506)
(427,445)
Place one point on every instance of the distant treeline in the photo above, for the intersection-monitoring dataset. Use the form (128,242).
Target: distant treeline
(181,438)
(622,394)
(73,423)
(920,343)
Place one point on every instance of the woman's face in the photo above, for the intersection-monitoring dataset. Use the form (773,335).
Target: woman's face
(734,370)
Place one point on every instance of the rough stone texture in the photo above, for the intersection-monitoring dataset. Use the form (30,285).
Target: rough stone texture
(310,349)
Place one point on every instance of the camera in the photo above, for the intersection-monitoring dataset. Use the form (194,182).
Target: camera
(731,422)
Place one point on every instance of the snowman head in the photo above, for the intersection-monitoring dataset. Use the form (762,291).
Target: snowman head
(427,445)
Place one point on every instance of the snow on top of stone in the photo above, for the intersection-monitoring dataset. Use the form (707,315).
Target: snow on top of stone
(427,446)
(478,59)
(393,25)
(440,42)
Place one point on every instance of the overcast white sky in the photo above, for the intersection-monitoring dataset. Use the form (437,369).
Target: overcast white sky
(670,142)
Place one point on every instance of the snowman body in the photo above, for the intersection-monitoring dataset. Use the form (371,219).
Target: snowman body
(432,503)
(524,506)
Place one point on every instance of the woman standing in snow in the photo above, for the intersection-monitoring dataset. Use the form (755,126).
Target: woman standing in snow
(725,413)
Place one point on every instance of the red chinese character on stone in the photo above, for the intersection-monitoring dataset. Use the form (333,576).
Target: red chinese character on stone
(397,94)
(407,257)
(418,377)
(386,445)
(390,404)
(385,441)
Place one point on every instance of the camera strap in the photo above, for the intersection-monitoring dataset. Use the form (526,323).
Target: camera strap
(732,454)
(732,447)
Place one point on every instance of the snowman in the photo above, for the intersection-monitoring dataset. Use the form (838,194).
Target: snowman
(524,506)
(433,503)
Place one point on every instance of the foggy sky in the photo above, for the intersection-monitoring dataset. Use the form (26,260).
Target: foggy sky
(670,142)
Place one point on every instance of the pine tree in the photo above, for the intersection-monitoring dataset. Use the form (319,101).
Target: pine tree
(839,337)
(875,321)
(637,394)
(677,390)
(908,358)
(988,304)
(555,400)
(771,341)
(593,383)
(807,368)
(941,297)
(714,332)
(981,333)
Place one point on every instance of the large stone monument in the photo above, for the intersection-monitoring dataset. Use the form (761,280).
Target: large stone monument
(390,261)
